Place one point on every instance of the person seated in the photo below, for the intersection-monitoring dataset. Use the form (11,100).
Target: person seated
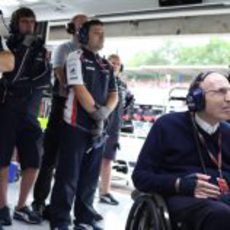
(186,157)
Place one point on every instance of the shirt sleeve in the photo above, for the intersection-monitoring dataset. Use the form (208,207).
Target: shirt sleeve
(59,56)
(74,69)
(146,175)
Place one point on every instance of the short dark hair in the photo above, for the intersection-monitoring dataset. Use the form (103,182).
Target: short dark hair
(92,22)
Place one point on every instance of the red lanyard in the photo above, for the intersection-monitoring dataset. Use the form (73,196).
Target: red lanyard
(217,161)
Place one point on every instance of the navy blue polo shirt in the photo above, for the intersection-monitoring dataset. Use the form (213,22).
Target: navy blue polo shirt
(85,68)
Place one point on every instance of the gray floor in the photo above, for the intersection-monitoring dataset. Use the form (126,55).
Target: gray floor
(114,216)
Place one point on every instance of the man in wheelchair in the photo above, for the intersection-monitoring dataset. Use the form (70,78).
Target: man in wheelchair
(186,157)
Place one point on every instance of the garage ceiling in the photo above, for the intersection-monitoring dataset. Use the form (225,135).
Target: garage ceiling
(64,9)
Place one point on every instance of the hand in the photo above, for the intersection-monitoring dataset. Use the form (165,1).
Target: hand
(197,185)
(98,129)
(101,114)
(204,189)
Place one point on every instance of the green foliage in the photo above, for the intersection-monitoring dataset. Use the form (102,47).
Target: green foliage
(216,52)
(165,55)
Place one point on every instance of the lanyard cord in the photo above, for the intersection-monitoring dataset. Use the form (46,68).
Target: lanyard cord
(200,140)
(218,161)
(196,136)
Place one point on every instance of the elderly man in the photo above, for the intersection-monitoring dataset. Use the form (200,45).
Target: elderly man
(186,157)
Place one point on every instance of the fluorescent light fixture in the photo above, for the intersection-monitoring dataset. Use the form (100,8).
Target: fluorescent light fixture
(9,2)
(30,1)
(16,2)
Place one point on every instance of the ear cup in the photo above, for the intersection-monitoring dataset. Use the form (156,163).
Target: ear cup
(196,100)
(70,28)
(196,96)
(122,68)
(13,24)
(83,35)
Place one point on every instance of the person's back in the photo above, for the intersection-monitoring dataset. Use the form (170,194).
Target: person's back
(186,157)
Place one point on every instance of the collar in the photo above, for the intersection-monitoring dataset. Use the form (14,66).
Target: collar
(210,129)
(90,53)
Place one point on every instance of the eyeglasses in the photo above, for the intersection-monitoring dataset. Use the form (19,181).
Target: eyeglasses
(220,91)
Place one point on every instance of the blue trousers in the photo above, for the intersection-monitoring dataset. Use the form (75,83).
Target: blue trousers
(76,177)
(51,150)
(204,214)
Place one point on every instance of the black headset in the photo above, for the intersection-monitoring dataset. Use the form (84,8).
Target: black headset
(196,96)
(83,34)
(70,28)
(16,15)
(122,68)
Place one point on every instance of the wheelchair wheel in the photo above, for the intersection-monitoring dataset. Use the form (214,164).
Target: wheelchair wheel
(163,211)
(144,215)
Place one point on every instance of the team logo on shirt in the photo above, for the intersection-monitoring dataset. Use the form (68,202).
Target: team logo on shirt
(88,61)
(73,71)
(91,68)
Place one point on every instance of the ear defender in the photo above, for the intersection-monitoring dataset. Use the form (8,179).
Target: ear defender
(195,99)
(13,24)
(121,68)
(83,35)
(70,28)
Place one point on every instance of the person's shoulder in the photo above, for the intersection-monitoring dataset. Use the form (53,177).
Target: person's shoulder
(172,118)
(75,54)
(225,126)
(106,62)
(63,47)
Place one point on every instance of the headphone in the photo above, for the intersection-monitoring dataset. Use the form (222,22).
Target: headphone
(83,34)
(122,68)
(16,15)
(70,28)
(195,99)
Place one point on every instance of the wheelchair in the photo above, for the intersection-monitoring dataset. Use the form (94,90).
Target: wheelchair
(150,212)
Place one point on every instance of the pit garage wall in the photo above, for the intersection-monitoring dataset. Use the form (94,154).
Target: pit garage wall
(213,16)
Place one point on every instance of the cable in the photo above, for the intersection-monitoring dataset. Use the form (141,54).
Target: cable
(196,136)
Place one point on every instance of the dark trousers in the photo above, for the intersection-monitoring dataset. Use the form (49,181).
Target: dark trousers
(51,150)
(76,177)
(204,215)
